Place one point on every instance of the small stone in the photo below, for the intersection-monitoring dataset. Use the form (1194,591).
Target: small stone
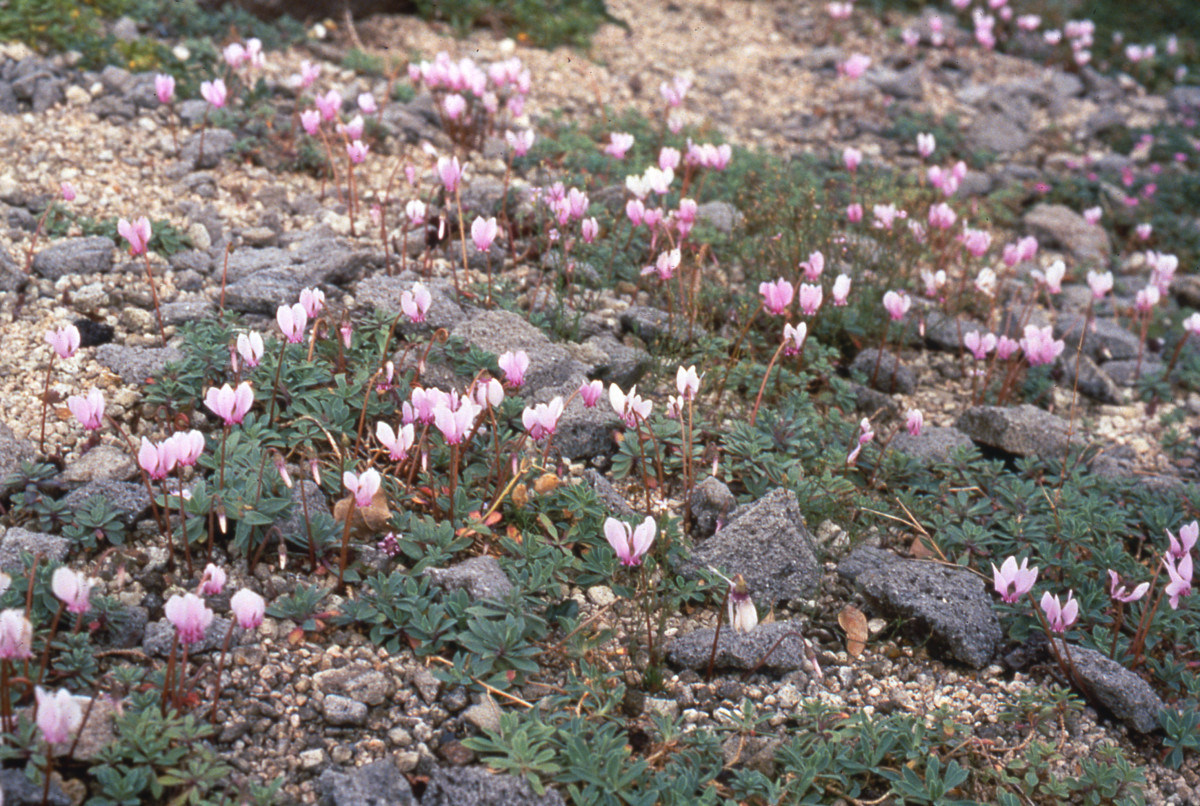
(601,595)
(341,710)
(311,759)
(485,715)
(17,540)
(426,684)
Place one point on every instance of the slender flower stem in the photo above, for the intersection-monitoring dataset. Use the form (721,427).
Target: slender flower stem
(733,354)
(275,388)
(344,558)
(46,403)
(462,238)
(763,386)
(212,715)
(154,293)
(49,640)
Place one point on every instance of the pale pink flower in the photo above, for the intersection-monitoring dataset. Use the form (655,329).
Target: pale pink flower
(58,715)
(810,299)
(313,301)
(854,213)
(292,320)
(687,382)
(865,435)
(1100,283)
(1181,578)
(520,142)
(541,420)
(976,241)
(363,487)
(589,228)
(1144,231)
(456,424)
(1147,298)
(214,92)
(985,282)
(1192,324)
(1052,278)
(310,119)
(896,304)
(851,157)
(65,340)
(514,365)
(190,617)
(157,459)
(367,104)
(668,158)
(454,106)
(250,347)
(793,338)
(188,447)
(490,393)
(397,443)
(1029,22)
(164,88)
(1060,616)
(16,635)
(483,232)
(309,73)
(68,191)
(914,421)
(813,267)
(841,290)
(665,264)
(854,66)
(934,282)
(1040,346)
(234,54)
(229,404)
(329,104)
(839,10)
(72,589)
(979,345)
(886,215)
(590,392)
(630,544)
(925,144)
(618,144)
(248,609)
(415,303)
(777,296)
(1187,538)
(674,91)
(1092,215)
(1006,347)
(89,411)
(213,580)
(1122,594)
(630,408)
(415,211)
(450,172)
(942,216)
(1012,582)
(137,234)
(357,151)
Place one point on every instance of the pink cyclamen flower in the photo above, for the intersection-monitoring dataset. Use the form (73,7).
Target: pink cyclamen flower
(665,264)
(157,459)
(813,267)
(58,715)
(514,365)
(1060,616)
(415,211)
(213,580)
(1143,231)
(397,443)
(1147,298)
(229,404)
(65,340)
(164,88)
(851,157)
(520,142)
(591,391)
(189,445)
(886,215)
(1180,575)
(630,544)
(1100,283)
(589,228)
(1191,325)
(415,303)
(777,296)
(309,73)
(793,338)
(363,487)
(234,55)
(89,411)
(914,422)
(942,216)
(456,424)
(367,104)
(357,151)
(668,158)
(1005,347)
(841,290)
(137,234)
(810,298)
(16,636)
(618,144)
(312,300)
(687,382)
(454,106)
(248,609)
(631,408)
(214,92)
(450,172)
(976,241)
(354,129)
(925,144)
(1052,278)
(310,119)
(1012,582)
(68,191)
(854,213)
(896,304)
(1122,594)
(250,347)
(1187,538)
(854,66)
(979,345)
(72,589)
(292,320)
(1092,215)
(865,435)
(1040,346)
(190,617)
(483,232)
(672,92)
(541,420)
(329,104)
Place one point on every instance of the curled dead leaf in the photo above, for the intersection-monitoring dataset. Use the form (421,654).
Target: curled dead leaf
(520,496)
(546,483)
(854,623)
(369,519)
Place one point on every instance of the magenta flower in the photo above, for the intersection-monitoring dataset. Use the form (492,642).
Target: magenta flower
(157,459)
(851,157)
(777,296)
(1187,538)
(1181,578)
(1012,582)
(250,347)
(228,404)
(292,321)
(1123,594)
(16,636)
(590,392)
(137,234)
(363,487)
(841,290)
(541,420)
(854,213)
(214,92)
(449,172)
(357,151)
(483,232)
(630,544)
(810,298)
(89,411)
(415,303)
(58,715)
(164,88)
(896,304)
(813,267)
(248,609)
(914,422)
(65,340)
(68,191)
(190,617)
(329,105)
(72,589)
(397,443)
(514,366)
(793,338)
(313,301)
(188,447)
(854,66)
(1040,346)
(1060,616)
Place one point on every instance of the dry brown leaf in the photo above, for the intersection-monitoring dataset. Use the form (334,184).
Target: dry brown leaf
(919,550)
(546,482)
(372,518)
(854,623)
(520,496)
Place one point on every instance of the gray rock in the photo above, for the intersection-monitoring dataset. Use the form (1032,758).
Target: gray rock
(261,279)
(1106,119)
(136,364)
(1184,99)
(898,83)
(949,605)
(768,544)
(101,463)
(358,682)
(178,313)
(262,293)
(934,444)
(613,362)
(425,683)
(1023,430)
(743,651)
(74,256)
(192,111)
(1104,340)
(8,99)
(485,716)
(475,786)
(879,407)
(116,79)
(1127,373)
(481,577)
(13,451)
(160,635)
(377,784)
(1092,380)
(1058,226)
(721,216)
(216,144)
(651,324)
(193,260)
(383,293)
(125,29)
(584,433)
(20,791)
(293,526)
(341,710)
(712,505)
(891,377)
(128,498)
(11,275)
(550,364)
(47,93)
(1127,696)
(997,132)
(617,506)
(246,262)
(17,540)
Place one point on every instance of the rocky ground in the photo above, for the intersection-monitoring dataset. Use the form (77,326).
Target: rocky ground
(345,720)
